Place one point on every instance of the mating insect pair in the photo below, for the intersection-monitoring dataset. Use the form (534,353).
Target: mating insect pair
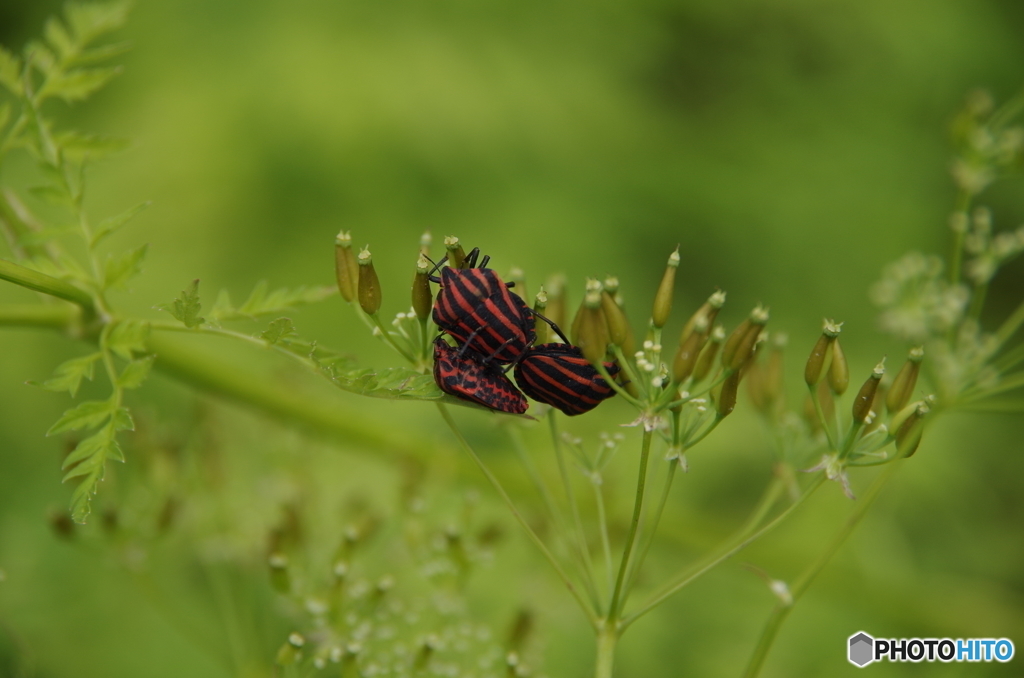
(493,327)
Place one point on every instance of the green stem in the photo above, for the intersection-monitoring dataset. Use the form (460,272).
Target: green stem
(493,480)
(782,610)
(51,316)
(40,282)
(581,536)
(605,542)
(821,417)
(627,552)
(607,638)
(648,540)
(721,557)
(1010,325)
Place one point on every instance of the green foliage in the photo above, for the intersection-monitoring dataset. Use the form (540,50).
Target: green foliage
(119,269)
(262,302)
(186,307)
(68,376)
(279,329)
(108,226)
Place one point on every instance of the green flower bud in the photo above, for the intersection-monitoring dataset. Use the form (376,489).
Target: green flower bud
(707,356)
(902,388)
(725,403)
(773,376)
(425,241)
(908,436)
(689,351)
(517,276)
(345,267)
(291,651)
(838,371)
(866,395)
(619,331)
(540,305)
(592,285)
(815,368)
(556,300)
(593,333)
(611,284)
(369,285)
(279,577)
(743,349)
(708,311)
(422,298)
(456,255)
(663,297)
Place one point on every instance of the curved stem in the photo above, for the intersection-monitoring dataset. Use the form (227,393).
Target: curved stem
(723,556)
(782,610)
(40,282)
(641,485)
(493,480)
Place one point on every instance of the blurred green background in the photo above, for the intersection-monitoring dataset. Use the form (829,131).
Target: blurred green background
(791,148)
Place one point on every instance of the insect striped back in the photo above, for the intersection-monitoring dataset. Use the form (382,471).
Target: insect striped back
(460,372)
(559,375)
(475,306)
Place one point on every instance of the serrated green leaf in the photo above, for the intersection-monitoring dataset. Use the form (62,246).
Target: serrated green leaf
(88,414)
(277,330)
(78,84)
(10,72)
(41,57)
(87,448)
(127,338)
(186,307)
(135,373)
(68,375)
(81,498)
(57,36)
(108,226)
(102,53)
(392,383)
(88,21)
(261,302)
(77,146)
(53,194)
(118,270)
(88,466)
(122,421)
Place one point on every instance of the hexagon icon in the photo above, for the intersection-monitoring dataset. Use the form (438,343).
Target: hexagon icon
(860,652)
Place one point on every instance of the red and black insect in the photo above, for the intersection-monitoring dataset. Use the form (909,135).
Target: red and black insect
(559,375)
(476,308)
(463,373)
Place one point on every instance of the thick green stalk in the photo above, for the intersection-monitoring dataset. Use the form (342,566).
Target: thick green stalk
(49,316)
(40,282)
(607,638)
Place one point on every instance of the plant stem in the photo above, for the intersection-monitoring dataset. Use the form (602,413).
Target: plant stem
(721,557)
(782,610)
(52,316)
(641,485)
(605,542)
(607,637)
(40,282)
(493,480)
(581,536)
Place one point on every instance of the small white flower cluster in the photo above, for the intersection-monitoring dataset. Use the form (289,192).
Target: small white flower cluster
(989,251)
(917,301)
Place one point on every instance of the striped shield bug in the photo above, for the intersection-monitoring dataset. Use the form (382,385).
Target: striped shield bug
(559,375)
(463,373)
(475,306)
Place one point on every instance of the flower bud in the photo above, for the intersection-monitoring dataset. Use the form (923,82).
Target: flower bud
(279,577)
(422,299)
(291,651)
(619,331)
(592,285)
(740,344)
(866,395)
(517,276)
(345,267)
(773,374)
(544,331)
(556,299)
(708,311)
(838,371)
(908,436)
(902,388)
(725,403)
(689,351)
(456,255)
(593,339)
(369,285)
(425,241)
(706,360)
(611,284)
(663,297)
(819,354)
